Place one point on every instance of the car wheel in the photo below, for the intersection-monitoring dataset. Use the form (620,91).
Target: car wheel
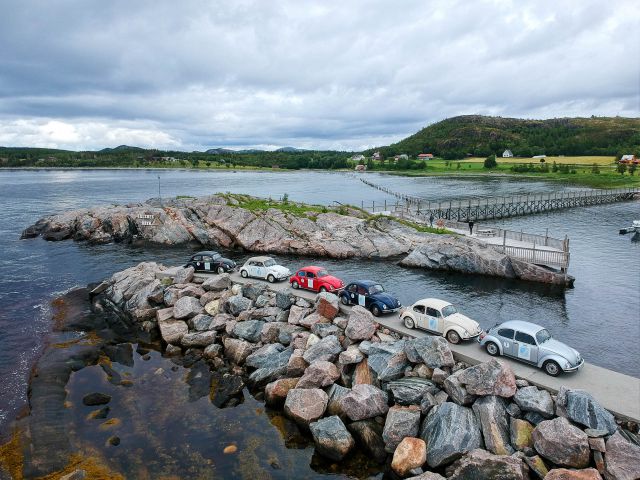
(408,322)
(220,269)
(295,285)
(492,349)
(244,273)
(344,300)
(323,289)
(375,310)
(453,337)
(552,368)
(271,279)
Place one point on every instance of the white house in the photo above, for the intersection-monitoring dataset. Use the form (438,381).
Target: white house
(507,154)
(358,158)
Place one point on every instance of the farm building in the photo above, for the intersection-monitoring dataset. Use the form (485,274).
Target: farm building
(425,156)
(376,156)
(629,159)
(402,156)
(358,158)
(507,154)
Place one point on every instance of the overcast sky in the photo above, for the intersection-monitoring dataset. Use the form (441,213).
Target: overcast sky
(192,75)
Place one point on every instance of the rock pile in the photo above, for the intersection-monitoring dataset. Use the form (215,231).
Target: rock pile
(215,220)
(403,401)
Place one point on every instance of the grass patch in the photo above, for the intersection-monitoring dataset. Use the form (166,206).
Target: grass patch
(254,204)
(408,223)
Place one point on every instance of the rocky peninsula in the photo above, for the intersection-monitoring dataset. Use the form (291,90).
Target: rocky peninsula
(345,383)
(262,226)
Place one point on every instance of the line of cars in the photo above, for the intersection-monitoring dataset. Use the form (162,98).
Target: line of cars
(523,341)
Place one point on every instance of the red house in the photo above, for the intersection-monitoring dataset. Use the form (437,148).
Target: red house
(425,156)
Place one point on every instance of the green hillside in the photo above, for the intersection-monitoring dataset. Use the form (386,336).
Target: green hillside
(481,136)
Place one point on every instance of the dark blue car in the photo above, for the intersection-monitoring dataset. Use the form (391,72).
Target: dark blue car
(370,295)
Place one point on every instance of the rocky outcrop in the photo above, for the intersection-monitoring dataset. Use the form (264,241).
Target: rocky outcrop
(479,464)
(218,220)
(622,459)
(562,443)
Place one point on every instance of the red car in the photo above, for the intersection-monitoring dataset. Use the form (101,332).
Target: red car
(316,279)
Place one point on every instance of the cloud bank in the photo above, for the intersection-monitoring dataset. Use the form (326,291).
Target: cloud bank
(191,75)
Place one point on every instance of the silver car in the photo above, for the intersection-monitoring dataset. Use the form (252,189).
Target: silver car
(532,344)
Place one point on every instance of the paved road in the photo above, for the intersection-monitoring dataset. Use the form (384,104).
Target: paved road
(617,392)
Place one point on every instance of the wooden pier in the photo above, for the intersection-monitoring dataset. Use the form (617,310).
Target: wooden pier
(498,207)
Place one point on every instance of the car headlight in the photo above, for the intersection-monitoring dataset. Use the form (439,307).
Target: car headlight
(567,364)
(465,333)
(384,307)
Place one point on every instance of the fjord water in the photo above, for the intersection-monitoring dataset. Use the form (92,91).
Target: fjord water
(600,316)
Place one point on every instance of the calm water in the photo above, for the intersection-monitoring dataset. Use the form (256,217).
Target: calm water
(600,316)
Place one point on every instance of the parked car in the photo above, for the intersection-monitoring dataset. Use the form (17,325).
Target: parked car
(210,261)
(316,279)
(438,316)
(370,295)
(264,267)
(531,343)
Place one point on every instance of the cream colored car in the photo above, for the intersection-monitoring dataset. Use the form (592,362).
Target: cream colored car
(442,318)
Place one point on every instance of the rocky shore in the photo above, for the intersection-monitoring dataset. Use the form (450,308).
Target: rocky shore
(228,221)
(406,402)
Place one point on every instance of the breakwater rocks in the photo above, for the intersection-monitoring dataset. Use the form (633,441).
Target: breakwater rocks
(234,222)
(405,402)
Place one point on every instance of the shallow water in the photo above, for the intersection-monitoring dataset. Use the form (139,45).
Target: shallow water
(600,316)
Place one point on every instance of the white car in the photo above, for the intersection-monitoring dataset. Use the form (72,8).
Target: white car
(264,267)
(442,318)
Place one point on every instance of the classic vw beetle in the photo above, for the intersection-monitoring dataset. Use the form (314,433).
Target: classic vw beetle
(370,295)
(316,279)
(264,267)
(531,343)
(438,316)
(210,261)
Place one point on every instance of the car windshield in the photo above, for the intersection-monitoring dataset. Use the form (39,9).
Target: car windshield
(322,273)
(270,263)
(543,335)
(216,256)
(449,310)
(375,289)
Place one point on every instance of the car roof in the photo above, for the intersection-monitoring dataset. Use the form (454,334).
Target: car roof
(311,268)
(433,302)
(522,326)
(259,259)
(365,283)
(206,252)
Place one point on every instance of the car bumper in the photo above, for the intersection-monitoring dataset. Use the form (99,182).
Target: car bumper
(576,368)
(391,310)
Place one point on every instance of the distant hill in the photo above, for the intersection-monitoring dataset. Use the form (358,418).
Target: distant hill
(122,148)
(482,136)
(290,149)
(219,151)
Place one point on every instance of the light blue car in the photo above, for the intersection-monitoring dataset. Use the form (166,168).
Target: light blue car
(532,344)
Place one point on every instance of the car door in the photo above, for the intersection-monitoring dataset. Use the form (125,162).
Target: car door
(261,270)
(253,269)
(505,335)
(207,263)
(302,278)
(311,281)
(525,347)
(363,298)
(421,319)
(434,320)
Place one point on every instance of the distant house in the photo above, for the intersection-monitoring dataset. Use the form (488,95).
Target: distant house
(539,156)
(425,156)
(629,159)
(507,154)
(361,168)
(376,156)
(402,156)
(358,158)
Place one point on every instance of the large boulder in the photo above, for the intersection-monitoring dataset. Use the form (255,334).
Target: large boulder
(582,408)
(305,406)
(434,352)
(237,350)
(364,401)
(401,422)
(410,453)
(411,390)
(532,399)
(336,392)
(275,393)
(283,300)
(296,314)
(489,378)
(187,307)
(198,339)
(480,464)
(200,322)
(520,433)
(368,433)
(492,413)
(183,275)
(318,375)
(217,283)
(456,391)
(173,330)
(621,459)
(388,360)
(270,362)
(327,305)
(326,349)
(360,324)
(570,474)
(297,364)
(313,319)
(250,330)
(450,431)
(237,304)
(351,355)
(562,443)
(331,437)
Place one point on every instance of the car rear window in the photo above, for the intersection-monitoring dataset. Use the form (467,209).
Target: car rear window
(506,333)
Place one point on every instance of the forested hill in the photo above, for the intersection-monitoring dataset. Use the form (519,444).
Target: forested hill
(482,136)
